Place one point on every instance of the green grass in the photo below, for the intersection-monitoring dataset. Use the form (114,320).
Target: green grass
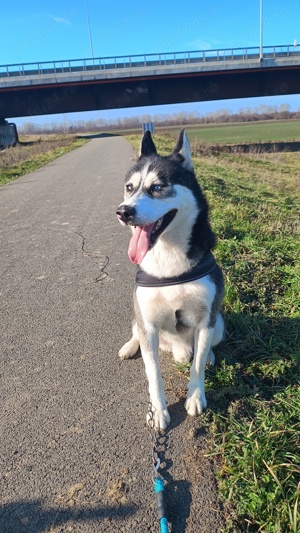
(33,154)
(253,391)
(264,131)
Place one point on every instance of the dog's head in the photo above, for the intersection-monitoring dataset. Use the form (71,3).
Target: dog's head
(162,198)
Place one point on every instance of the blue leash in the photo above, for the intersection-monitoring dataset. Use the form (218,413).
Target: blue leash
(159,491)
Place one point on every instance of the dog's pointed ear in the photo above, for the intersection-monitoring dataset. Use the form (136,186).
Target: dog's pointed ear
(183,148)
(147,145)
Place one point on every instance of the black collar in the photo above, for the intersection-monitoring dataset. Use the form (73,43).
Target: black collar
(206,265)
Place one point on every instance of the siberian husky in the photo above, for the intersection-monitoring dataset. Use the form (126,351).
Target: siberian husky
(179,286)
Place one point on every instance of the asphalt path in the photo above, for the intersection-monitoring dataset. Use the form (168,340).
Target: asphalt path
(75,452)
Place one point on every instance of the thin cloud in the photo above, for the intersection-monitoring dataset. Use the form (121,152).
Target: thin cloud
(202,44)
(61,20)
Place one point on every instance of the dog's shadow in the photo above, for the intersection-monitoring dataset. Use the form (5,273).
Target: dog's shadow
(252,342)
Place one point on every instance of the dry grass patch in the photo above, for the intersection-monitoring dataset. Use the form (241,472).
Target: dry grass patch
(33,152)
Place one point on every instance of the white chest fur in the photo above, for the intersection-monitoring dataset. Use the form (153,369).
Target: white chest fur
(158,305)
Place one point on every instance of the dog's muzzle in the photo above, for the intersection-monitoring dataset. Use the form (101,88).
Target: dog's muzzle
(126,213)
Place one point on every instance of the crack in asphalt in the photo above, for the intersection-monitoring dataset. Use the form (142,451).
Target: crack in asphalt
(103,264)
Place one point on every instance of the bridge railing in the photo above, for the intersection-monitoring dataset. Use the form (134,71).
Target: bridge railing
(145,60)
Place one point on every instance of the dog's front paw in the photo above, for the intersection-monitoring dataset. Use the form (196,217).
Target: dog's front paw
(160,417)
(195,402)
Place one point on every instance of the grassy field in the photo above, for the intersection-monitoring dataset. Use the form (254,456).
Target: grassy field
(253,391)
(34,152)
(267,131)
(235,133)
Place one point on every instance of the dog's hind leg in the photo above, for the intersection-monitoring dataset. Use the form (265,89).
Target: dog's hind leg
(218,337)
(131,347)
(218,330)
(211,358)
(196,401)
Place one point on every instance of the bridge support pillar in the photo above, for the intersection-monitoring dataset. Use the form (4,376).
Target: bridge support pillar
(8,133)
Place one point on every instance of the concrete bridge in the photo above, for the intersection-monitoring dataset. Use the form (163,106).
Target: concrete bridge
(144,80)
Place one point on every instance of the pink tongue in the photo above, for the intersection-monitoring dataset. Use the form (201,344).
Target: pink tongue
(139,243)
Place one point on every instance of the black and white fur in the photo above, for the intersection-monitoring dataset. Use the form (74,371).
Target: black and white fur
(183,319)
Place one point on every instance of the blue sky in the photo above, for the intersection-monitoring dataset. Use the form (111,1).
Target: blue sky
(33,31)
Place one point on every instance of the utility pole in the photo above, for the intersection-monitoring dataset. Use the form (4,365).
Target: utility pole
(261,31)
(89,29)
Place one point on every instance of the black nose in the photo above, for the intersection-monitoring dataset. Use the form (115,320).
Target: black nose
(126,213)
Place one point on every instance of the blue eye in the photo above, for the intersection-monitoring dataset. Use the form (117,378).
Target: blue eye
(156,188)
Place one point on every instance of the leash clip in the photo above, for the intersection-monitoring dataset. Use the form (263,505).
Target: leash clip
(156,465)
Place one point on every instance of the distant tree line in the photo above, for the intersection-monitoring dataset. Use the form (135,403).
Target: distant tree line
(246,114)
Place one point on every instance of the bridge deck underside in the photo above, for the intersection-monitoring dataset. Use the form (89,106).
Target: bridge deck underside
(147,91)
